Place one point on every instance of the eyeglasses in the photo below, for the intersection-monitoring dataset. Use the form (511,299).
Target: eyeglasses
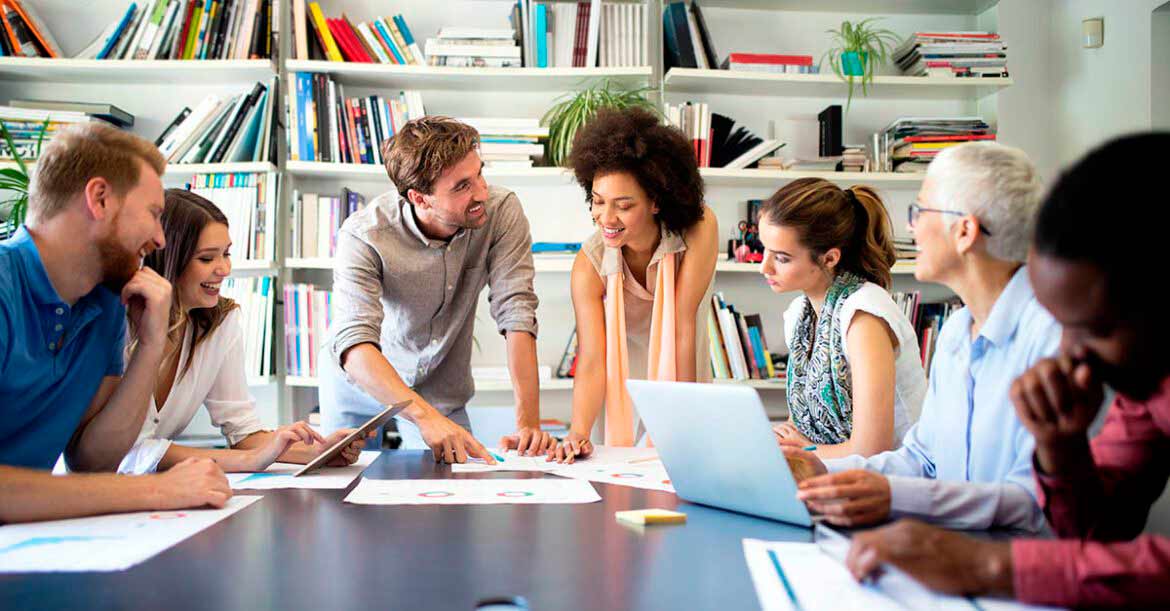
(915,210)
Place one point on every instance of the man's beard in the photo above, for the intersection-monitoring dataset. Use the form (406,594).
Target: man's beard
(118,264)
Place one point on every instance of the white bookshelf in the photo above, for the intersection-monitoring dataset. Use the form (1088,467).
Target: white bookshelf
(106,71)
(863,7)
(563,263)
(254,267)
(556,384)
(374,172)
(444,77)
(182,170)
(724,82)
(765,178)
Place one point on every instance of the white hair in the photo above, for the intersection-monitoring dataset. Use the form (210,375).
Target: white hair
(996,184)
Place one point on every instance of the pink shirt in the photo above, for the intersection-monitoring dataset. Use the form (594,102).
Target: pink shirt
(1099,514)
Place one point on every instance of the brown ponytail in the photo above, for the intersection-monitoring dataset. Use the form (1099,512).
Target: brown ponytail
(826,217)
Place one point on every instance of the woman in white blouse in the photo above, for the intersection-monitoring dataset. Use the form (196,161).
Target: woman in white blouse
(204,361)
(855,378)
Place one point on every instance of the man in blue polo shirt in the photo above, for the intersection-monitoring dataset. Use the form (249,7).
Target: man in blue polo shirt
(66,281)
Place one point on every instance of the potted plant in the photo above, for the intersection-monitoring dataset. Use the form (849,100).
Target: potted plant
(14,182)
(858,49)
(577,108)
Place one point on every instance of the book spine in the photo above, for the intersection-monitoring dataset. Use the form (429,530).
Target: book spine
(330,46)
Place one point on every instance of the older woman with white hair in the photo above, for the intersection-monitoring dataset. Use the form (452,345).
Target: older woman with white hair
(967,463)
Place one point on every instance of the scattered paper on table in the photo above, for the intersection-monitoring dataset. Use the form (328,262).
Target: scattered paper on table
(279,475)
(471,491)
(802,577)
(634,467)
(512,462)
(104,543)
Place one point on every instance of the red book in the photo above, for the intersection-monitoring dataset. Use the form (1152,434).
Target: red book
(186,30)
(350,48)
(948,138)
(582,34)
(982,35)
(768,58)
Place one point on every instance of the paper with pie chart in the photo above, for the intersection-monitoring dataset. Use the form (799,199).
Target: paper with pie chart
(471,492)
(634,467)
(511,462)
(104,543)
(280,475)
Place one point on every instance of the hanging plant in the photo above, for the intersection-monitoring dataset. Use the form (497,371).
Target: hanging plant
(859,48)
(14,181)
(578,108)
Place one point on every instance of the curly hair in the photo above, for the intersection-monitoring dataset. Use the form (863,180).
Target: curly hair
(658,156)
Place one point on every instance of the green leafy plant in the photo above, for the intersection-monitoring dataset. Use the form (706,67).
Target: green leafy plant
(14,182)
(577,108)
(859,48)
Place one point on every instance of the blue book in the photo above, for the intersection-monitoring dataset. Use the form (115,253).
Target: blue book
(389,40)
(539,247)
(406,35)
(758,348)
(305,106)
(247,146)
(109,45)
(540,30)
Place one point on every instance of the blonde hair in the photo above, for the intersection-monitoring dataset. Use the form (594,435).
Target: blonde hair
(826,217)
(80,153)
(423,149)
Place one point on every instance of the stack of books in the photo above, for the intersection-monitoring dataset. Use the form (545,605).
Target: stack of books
(26,124)
(952,54)
(248,200)
(687,42)
(767,62)
(326,126)
(190,29)
(739,349)
(910,143)
(106,112)
(224,130)
(383,40)
(307,316)
(717,140)
(316,219)
(927,318)
(475,48)
(23,34)
(854,159)
(906,250)
(622,38)
(255,296)
(509,143)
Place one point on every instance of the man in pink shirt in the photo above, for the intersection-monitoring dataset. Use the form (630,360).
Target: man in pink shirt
(1099,239)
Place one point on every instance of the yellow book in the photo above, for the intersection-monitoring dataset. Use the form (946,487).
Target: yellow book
(331,50)
(768,362)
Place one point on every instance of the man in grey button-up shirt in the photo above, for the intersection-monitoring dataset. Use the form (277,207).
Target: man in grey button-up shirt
(409,271)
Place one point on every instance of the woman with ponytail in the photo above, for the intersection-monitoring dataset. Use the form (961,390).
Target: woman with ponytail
(855,376)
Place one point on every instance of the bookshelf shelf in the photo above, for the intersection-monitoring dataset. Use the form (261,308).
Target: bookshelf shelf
(301,381)
(691,80)
(878,7)
(367,171)
(557,384)
(261,381)
(153,72)
(190,169)
(442,77)
(253,267)
(753,177)
(563,263)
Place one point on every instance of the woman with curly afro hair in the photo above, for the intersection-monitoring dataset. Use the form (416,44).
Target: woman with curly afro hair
(639,282)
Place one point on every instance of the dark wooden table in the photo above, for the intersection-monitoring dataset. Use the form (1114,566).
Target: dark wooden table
(305,549)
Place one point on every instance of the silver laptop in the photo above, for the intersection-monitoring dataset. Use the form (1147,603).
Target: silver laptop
(717,445)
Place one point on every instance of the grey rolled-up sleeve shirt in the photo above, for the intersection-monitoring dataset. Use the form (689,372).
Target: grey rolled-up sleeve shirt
(415,298)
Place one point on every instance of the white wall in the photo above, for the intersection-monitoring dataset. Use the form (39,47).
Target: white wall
(1160,67)
(1099,93)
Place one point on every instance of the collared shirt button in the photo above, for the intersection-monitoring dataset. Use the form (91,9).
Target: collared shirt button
(60,311)
(58,327)
(450,287)
(52,346)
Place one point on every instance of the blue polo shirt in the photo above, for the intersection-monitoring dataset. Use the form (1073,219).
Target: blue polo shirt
(52,356)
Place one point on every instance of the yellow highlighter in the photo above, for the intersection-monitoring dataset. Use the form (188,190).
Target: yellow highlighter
(651,516)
